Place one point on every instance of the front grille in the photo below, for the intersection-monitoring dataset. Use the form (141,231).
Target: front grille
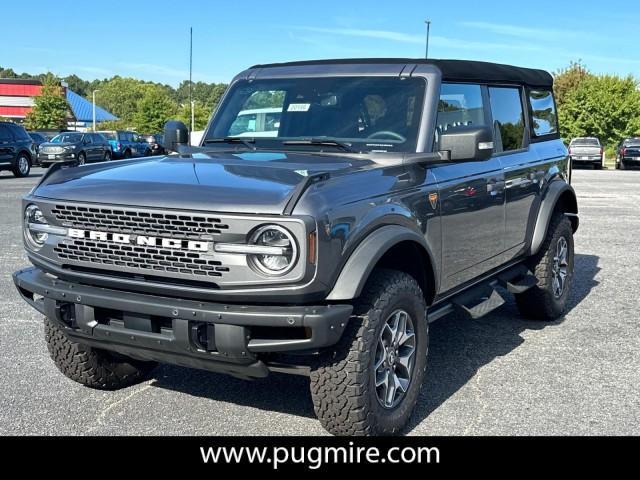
(52,150)
(136,257)
(137,222)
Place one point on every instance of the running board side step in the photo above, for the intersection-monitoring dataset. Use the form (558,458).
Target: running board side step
(479,302)
(483,298)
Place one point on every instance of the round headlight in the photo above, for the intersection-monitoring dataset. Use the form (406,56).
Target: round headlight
(284,252)
(33,217)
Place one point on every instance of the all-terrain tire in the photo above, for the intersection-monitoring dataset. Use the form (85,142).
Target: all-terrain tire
(540,302)
(90,366)
(343,381)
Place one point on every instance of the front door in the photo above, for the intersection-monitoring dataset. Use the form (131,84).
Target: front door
(472,195)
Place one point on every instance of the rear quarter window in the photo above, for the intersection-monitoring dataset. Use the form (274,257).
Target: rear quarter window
(543,113)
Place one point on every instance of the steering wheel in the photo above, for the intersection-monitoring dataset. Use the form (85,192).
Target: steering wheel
(387,134)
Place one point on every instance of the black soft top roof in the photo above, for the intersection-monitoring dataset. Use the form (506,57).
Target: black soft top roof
(452,70)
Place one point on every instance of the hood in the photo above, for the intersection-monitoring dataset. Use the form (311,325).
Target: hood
(248,182)
(62,144)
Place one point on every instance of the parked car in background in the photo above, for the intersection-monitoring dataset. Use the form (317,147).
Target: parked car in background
(587,151)
(38,139)
(628,153)
(156,143)
(17,149)
(75,146)
(257,122)
(126,144)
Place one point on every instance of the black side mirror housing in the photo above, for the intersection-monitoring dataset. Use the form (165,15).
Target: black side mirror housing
(467,143)
(176,134)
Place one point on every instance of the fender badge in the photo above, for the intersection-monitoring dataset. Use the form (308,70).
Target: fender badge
(433,200)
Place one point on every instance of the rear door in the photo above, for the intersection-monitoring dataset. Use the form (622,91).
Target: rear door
(471,193)
(522,170)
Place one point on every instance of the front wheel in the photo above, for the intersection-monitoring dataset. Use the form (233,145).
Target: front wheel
(553,267)
(107,156)
(82,158)
(368,384)
(90,366)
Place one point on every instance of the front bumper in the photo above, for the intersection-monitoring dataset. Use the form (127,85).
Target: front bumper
(49,158)
(212,336)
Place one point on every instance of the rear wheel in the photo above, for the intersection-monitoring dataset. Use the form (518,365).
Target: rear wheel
(127,154)
(622,165)
(23,166)
(107,156)
(368,384)
(90,366)
(553,267)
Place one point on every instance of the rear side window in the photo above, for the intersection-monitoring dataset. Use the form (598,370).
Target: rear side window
(5,134)
(508,118)
(20,133)
(543,113)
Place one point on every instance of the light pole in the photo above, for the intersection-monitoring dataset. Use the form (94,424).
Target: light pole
(191,78)
(428,23)
(94,109)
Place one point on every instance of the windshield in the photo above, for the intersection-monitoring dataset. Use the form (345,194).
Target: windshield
(366,113)
(586,142)
(67,138)
(109,135)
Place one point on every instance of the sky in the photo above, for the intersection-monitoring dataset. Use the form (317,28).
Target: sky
(150,39)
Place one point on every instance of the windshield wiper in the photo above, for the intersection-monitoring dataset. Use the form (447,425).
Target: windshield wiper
(320,141)
(246,141)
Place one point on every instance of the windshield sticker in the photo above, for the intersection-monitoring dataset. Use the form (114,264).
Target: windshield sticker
(298,107)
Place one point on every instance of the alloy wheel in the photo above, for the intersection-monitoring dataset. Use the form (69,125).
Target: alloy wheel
(560,267)
(394,359)
(23,165)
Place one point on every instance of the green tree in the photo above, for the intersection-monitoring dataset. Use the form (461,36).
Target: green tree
(50,109)
(201,115)
(568,79)
(153,110)
(606,106)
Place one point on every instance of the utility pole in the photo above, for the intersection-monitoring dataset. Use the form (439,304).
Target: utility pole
(94,109)
(191,77)
(428,23)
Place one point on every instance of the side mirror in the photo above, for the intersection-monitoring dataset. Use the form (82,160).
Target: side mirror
(467,143)
(175,135)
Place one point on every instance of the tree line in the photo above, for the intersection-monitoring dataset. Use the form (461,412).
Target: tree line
(604,106)
(142,105)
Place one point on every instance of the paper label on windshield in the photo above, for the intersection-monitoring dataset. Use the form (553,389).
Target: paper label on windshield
(298,107)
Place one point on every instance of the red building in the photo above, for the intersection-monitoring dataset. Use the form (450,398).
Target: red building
(16,97)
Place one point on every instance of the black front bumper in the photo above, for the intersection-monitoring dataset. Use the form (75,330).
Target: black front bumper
(210,336)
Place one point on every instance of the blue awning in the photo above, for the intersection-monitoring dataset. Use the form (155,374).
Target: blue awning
(82,109)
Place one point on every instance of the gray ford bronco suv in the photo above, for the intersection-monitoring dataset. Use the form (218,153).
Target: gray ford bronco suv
(322,239)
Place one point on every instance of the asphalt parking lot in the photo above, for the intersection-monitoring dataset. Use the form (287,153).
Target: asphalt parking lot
(500,375)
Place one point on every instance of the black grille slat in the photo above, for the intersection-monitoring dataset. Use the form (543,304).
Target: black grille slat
(122,255)
(142,223)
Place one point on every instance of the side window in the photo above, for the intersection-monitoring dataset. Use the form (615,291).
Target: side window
(460,105)
(87,139)
(543,111)
(5,134)
(508,118)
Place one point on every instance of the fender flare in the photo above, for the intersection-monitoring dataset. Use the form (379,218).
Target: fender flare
(366,255)
(555,192)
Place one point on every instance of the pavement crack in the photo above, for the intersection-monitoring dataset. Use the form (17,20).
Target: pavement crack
(99,422)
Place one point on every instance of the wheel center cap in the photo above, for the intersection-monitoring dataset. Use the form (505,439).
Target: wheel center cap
(392,358)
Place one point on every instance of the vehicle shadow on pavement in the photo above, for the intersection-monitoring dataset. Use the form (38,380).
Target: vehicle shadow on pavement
(459,347)
(11,176)
(278,392)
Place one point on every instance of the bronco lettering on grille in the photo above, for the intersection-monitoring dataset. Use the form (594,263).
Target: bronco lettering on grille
(141,240)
